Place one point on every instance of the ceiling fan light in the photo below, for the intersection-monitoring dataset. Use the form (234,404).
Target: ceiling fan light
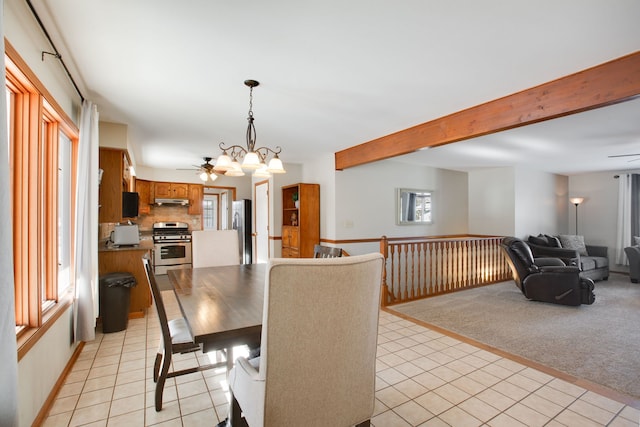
(204,176)
(275,166)
(251,161)
(213,176)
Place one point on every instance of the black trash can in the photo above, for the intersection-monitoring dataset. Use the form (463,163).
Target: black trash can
(115,298)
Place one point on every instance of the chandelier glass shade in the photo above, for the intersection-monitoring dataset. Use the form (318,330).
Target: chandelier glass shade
(252,158)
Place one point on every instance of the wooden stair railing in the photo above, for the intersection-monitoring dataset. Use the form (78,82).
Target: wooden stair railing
(420,267)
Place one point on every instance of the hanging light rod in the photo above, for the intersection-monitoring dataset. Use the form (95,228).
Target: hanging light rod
(252,158)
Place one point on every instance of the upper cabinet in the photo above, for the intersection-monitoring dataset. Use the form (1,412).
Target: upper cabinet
(196,195)
(116,178)
(143,188)
(170,190)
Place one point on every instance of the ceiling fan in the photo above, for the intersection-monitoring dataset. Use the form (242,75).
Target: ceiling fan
(205,170)
(627,155)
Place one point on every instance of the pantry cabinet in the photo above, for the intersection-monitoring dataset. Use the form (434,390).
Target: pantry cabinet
(300,220)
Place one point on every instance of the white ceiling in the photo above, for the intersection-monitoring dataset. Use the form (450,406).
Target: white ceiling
(337,73)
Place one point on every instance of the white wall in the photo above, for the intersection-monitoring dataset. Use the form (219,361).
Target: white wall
(492,201)
(54,349)
(365,202)
(540,203)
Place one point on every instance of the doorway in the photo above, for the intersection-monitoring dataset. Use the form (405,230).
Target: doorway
(216,207)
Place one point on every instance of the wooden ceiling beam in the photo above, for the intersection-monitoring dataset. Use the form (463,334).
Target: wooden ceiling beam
(609,83)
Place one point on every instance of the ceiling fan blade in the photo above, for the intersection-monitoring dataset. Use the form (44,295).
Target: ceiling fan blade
(624,155)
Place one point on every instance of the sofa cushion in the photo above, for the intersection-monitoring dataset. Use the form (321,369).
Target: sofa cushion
(587,263)
(539,240)
(573,242)
(600,261)
(636,240)
(554,242)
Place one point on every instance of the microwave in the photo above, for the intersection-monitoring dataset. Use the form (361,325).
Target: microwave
(125,235)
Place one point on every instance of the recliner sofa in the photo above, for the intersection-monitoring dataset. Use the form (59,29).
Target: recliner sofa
(546,279)
(592,260)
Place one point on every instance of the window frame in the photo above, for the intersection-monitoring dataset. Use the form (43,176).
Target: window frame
(37,121)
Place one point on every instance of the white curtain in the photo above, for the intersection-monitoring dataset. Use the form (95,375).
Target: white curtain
(8,348)
(623,229)
(86,247)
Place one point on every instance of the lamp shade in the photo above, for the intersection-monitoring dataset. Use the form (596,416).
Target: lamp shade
(275,165)
(251,160)
(576,200)
(223,163)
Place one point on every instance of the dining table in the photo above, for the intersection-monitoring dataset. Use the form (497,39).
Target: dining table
(222,305)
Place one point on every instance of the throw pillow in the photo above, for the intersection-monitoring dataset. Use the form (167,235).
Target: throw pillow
(554,242)
(573,242)
(539,240)
(636,240)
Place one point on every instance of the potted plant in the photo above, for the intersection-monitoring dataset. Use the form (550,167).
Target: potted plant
(296,202)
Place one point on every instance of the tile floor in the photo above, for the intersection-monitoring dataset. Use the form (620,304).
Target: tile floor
(424,378)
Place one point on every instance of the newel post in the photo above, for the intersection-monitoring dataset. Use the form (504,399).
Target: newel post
(384,250)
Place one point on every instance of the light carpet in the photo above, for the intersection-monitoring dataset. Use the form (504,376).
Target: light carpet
(598,342)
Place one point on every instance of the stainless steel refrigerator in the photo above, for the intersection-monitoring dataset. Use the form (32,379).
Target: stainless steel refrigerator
(242,222)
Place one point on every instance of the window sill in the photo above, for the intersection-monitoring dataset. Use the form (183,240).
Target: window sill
(27,337)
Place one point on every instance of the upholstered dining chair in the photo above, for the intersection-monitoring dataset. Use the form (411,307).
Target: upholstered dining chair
(320,251)
(318,348)
(213,248)
(175,338)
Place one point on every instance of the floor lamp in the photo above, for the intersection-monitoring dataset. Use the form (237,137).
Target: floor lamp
(576,201)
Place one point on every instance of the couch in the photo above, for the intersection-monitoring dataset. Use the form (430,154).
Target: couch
(592,260)
(633,254)
(546,279)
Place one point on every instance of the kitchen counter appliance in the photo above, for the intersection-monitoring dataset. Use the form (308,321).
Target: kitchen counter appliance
(171,246)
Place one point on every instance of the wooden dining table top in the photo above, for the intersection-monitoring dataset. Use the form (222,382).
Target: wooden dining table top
(222,305)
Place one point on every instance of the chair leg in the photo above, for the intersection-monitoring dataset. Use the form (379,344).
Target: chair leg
(166,362)
(364,424)
(235,414)
(156,367)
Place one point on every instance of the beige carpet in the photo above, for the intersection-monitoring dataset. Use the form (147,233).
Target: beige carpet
(598,342)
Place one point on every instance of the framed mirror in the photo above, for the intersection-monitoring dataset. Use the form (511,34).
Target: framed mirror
(413,207)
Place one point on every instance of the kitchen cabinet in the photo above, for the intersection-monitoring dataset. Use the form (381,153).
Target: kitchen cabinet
(129,260)
(300,220)
(116,178)
(143,188)
(170,190)
(196,195)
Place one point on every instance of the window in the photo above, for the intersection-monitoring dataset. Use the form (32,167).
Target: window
(42,151)
(210,211)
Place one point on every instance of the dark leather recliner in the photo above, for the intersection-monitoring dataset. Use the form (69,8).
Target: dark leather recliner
(546,279)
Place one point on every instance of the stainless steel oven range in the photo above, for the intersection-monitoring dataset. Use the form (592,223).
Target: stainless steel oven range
(171,246)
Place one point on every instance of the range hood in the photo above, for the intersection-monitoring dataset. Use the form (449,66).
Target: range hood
(183,202)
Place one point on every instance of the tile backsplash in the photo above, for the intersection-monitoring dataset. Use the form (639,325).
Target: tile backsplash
(158,214)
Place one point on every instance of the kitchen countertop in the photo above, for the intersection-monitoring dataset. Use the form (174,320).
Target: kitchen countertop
(145,245)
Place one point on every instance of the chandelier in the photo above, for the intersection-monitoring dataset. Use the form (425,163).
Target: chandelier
(228,163)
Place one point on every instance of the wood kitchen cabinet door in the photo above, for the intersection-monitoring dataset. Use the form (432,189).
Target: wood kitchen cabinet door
(196,194)
(171,190)
(143,188)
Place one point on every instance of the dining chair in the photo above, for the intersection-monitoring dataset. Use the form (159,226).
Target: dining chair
(214,248)
(319,335)
(175,338)
(320,251)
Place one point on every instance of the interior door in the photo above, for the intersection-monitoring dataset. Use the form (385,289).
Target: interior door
(261,215)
